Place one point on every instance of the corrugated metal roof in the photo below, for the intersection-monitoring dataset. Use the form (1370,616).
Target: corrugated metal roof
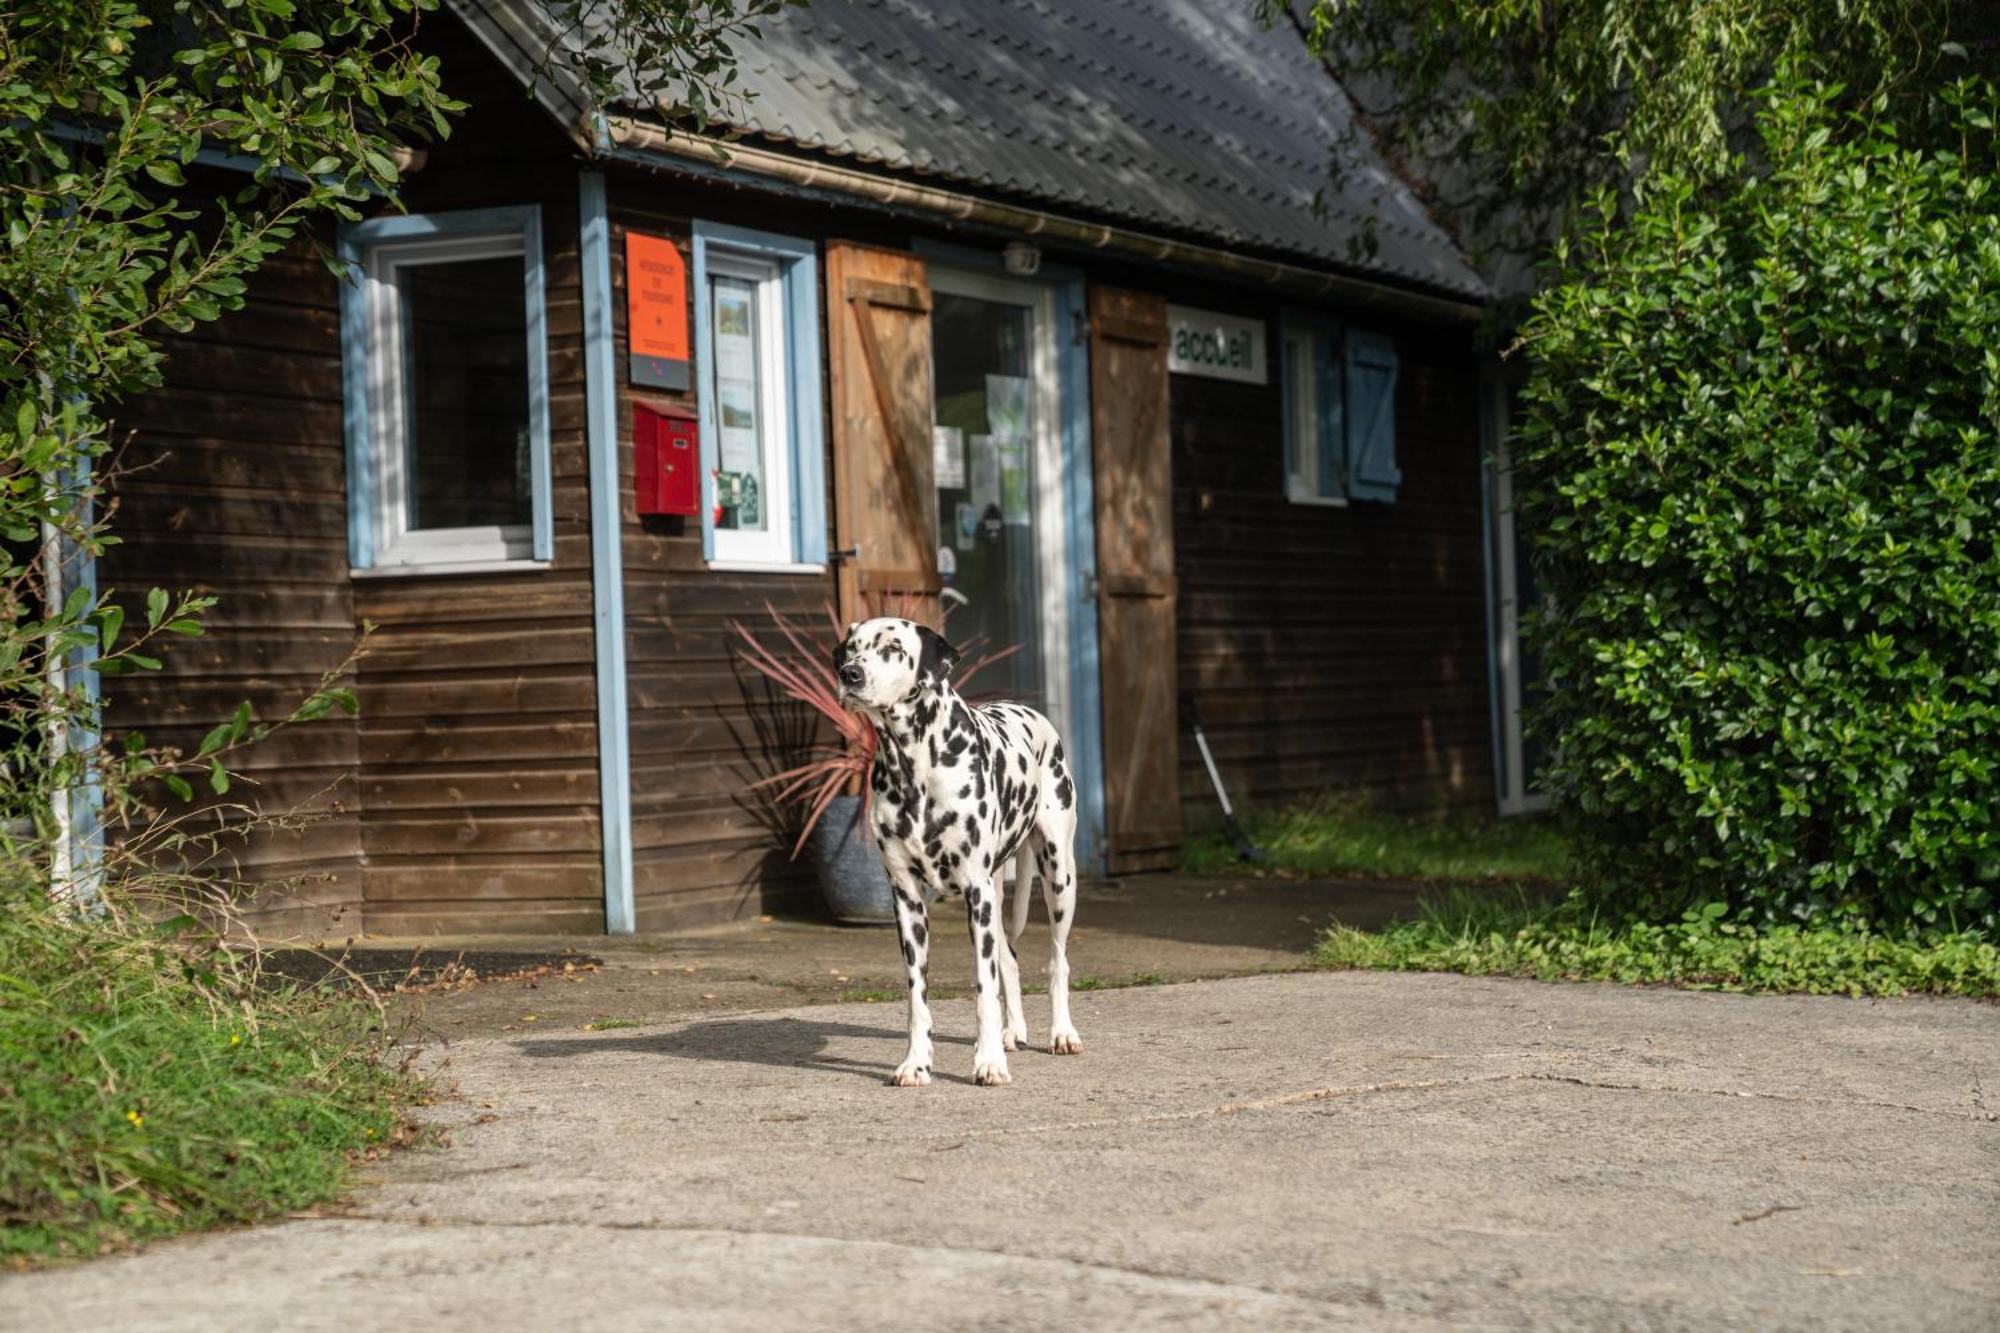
(1176,116)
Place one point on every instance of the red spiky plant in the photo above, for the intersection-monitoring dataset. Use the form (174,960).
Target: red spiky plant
(802,669)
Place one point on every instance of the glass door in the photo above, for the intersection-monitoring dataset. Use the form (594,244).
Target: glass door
(996,461)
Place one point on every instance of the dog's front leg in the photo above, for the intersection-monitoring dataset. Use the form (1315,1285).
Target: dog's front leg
(913,925)
(989,1056)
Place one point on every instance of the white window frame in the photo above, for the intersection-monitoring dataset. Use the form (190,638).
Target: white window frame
(374,327)
(773,543)
(786,269)
(1305,347)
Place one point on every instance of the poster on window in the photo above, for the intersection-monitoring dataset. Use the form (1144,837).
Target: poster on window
(1007,406)
(985,459)
(1012,456)
(735,380)
(948,457)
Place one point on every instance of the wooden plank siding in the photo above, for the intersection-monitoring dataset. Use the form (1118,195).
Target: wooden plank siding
(704,851)
(478,733)
(464,797)
(230,480)
(1334,649)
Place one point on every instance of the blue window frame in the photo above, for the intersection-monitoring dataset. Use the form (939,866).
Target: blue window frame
(1340,412)
(444,361)
(757,355)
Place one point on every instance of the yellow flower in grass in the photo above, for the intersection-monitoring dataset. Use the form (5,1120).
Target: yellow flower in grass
(235,1039)
(138,1121)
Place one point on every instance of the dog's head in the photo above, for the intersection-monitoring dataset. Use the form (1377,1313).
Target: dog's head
(883,662)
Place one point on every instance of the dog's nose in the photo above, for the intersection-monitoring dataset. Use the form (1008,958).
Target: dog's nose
(853,674)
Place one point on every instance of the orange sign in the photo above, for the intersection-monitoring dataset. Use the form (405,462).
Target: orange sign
(656,311)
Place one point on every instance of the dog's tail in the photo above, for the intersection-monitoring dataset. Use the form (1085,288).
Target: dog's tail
(1024,889)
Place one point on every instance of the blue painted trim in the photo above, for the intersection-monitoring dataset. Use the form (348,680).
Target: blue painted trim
(86,799)
(798,270)
(1085,672)
(607,574)
(354,405)
(207,156)
(1370,474)
(353,243)
(1086,693)
(1489,456)
(540,467)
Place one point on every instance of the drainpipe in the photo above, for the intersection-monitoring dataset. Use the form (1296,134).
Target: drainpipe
(700,155)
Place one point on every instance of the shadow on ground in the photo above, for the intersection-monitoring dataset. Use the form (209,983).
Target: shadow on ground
(784,1043)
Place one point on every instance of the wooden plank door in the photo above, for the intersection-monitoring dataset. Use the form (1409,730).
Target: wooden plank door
(878,305)
(1135,575)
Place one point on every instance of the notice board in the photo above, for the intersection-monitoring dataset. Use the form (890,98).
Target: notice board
(656,312)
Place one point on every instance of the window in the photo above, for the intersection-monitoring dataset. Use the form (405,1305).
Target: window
(757,346)
(1340,413)
(445,365)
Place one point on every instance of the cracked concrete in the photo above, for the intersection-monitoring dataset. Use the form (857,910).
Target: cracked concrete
(1296,1151)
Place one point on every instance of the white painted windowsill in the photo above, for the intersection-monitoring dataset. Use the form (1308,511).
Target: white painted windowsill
(760,567)
(448,567)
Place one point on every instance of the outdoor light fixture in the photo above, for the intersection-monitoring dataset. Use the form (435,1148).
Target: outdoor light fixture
(1022,260)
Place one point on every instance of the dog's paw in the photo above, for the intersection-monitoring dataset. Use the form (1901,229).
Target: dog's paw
(910,1074)
(1064,1041)
(1015,1039)
(991,1073)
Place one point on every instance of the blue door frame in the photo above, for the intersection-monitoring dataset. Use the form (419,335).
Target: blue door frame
(1086,739)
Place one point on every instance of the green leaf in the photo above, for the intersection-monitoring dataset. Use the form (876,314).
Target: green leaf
(156,607)
(110,619)
(218,778)
(165,172)
(178,785)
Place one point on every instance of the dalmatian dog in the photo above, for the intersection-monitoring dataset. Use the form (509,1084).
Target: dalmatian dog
(957,792)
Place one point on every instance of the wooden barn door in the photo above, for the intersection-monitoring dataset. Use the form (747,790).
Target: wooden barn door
(879,352)
(1135,574)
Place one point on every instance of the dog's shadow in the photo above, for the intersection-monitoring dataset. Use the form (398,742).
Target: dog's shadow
(784,1043)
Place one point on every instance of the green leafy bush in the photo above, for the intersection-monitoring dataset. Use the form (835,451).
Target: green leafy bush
(1761,460)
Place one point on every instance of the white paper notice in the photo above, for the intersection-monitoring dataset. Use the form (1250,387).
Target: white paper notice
(948,457)
(736,379)
(1013,459)
(985,473)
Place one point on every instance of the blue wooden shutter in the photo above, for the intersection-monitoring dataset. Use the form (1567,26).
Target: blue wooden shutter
(1371,417)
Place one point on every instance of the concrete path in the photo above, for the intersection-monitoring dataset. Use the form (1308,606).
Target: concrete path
(1304,1151)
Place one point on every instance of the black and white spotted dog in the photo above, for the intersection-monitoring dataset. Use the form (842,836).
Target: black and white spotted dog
(957,791)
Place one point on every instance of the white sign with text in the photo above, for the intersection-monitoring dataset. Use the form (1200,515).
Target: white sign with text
(1218,346)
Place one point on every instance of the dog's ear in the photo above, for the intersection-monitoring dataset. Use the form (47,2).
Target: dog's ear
(936,657)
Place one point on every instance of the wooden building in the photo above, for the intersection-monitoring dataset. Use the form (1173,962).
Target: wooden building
(1024,310)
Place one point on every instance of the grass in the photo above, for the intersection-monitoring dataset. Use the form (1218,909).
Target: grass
(1336,837)
(1518,936)
(147,1087)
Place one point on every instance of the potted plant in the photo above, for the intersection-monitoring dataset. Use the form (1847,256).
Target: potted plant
(831,787)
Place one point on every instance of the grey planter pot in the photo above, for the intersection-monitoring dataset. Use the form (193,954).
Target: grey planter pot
(843,855)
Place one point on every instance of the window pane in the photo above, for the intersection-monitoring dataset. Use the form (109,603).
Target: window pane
(466,330)
(739,405)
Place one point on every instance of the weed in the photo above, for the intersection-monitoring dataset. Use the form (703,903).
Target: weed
(149,1084)
(1335,836)
(1481,935)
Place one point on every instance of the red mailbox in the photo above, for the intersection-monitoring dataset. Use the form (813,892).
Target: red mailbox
(667,456)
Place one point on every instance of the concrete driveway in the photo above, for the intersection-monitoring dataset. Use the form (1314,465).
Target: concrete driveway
(1302,1151)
